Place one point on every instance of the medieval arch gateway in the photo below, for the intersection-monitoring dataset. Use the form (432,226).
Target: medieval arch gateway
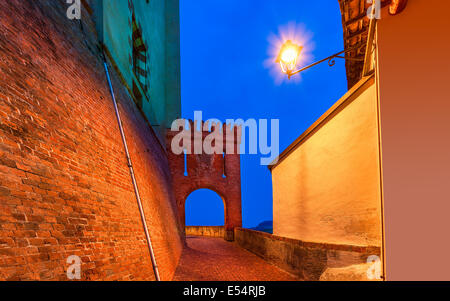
(204,208)
(219,172)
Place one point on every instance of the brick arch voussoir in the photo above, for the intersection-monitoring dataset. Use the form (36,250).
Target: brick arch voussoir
(219,192)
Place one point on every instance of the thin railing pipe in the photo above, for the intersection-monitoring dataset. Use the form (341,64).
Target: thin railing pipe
(133,178)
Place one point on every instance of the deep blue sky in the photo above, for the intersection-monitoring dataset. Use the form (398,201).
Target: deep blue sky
(224,44)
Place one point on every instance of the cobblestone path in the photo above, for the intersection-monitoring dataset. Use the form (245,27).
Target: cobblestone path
(214,259)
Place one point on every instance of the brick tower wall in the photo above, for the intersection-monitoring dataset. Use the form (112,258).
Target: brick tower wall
(220,172)
(65,187)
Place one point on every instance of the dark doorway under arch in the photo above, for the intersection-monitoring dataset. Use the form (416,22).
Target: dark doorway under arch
(204,207)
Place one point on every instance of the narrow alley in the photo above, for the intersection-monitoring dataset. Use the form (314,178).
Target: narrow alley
(214,259)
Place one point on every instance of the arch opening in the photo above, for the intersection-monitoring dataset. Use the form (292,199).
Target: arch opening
(204,207)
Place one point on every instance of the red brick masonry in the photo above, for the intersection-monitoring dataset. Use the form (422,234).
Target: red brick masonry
(65,188)
(207,171)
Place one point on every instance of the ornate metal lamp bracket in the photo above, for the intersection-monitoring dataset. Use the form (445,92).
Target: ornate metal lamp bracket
(331,60)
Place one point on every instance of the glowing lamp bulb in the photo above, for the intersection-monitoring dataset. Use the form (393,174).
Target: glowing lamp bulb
(288,56)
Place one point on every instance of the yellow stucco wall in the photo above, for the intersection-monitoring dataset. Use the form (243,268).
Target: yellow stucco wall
(327,189)
(414,74)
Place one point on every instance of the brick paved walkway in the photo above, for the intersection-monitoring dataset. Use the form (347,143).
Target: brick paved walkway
(214,259)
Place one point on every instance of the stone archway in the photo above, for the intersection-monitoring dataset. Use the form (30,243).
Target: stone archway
(220,173)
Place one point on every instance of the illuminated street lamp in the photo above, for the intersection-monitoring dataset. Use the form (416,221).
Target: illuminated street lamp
(290,52)
(288,57)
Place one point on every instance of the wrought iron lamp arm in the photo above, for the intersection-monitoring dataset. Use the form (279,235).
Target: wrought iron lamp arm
(330,59)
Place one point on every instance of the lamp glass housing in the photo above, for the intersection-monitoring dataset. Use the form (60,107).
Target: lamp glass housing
(288,56)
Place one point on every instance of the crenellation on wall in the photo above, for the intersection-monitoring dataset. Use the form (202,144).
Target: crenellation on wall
(219,172)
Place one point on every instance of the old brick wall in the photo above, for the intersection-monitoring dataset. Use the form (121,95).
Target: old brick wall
(65,187)
(218,172)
